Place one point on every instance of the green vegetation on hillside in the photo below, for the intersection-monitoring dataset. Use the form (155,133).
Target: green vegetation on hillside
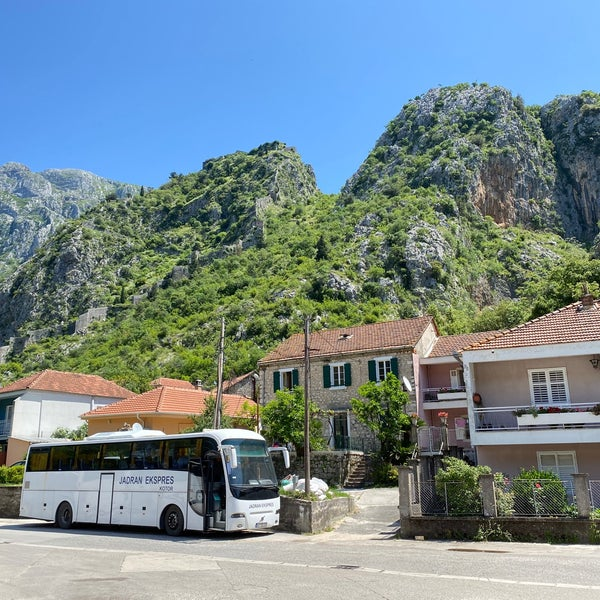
(250,239)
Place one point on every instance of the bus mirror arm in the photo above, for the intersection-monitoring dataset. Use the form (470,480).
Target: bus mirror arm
(230,454)
(284,451)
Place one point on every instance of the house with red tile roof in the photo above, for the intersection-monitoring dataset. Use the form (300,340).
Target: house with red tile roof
(538,387)
(440,389)
(343,359)
(33,407)
(168,407)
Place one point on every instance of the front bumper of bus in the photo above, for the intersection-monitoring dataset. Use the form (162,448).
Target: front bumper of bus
(254,522)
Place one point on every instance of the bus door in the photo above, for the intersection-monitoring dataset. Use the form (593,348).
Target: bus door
(206,490)
(196,491)
(105,498)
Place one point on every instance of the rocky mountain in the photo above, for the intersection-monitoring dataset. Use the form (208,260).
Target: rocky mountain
(467,207)
(33,205)
(138,242)
(531,166)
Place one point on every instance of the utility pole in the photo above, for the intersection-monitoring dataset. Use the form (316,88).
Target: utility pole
(219,402)
(307,406)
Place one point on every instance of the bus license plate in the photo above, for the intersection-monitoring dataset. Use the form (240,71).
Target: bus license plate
(261,525)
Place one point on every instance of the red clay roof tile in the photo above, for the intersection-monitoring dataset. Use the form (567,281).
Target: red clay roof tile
(448,344)
(72,383)
(573,323)
(375,336)
(171,400)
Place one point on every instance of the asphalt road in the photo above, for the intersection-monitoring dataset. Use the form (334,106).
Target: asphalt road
(360,559)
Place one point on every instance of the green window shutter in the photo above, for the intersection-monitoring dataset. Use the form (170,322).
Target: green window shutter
(295,378)
(347,374)
(276,381)
(372,371)
(326,376)
(394,362)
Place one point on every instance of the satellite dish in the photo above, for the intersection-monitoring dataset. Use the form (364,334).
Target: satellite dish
(136,428)
(406,383)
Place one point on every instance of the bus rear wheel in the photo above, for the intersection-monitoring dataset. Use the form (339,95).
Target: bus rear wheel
(173,520)
(64,515)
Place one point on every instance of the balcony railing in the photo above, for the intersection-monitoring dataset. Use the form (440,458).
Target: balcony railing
(541,417)
(444,393)
(432,440)
(5,427)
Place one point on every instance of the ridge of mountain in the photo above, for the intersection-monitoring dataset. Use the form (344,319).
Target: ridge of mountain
(466,208)
(33,205)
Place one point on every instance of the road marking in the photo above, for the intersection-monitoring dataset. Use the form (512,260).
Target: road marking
(143,562)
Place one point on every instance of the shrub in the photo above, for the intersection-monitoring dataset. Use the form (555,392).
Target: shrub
(385,474)
(539,493)
(12,475)
(458,482)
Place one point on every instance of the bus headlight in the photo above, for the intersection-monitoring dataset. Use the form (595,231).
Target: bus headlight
(238,516)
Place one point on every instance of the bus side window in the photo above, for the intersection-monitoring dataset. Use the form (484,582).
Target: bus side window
(116,456)
(147,455)
(62,458)
(39,459)
(88,457)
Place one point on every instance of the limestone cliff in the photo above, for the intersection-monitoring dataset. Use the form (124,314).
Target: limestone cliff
(519,165)
(33,205)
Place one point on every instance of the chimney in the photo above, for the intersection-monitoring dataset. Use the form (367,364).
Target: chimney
(587,301)
(198,384)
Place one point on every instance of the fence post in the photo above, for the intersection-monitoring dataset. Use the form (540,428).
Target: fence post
(405,490)
(581,484)
(488,495)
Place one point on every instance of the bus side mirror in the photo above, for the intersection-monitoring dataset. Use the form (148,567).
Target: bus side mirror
(230,454)
(284,451)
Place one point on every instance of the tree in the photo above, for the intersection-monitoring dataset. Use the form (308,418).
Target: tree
(322,249)
(382,409)
(206,419)
(283,420)
(71,434)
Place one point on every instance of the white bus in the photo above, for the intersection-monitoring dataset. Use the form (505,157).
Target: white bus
(220,479)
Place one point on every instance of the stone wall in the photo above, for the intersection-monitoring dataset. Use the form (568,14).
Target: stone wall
(10,501)
(305,516)
(555,530)
(332,466)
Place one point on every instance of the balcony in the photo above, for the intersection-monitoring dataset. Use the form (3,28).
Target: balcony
(434,440)
(440,398)
(5,427)
(574,423)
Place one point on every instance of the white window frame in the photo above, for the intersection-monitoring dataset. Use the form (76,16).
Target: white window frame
(552,388)
(457,379)
(386,361)
(340,368)
(283,373)
(557,469)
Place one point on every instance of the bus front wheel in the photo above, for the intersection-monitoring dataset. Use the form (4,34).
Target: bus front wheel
(64,515)
(173,520)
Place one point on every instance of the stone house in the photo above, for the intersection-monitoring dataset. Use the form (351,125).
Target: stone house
(343,359)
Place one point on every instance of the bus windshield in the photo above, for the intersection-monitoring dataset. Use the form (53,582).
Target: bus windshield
(254,468)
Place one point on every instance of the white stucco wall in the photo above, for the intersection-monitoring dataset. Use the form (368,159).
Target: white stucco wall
(37,414)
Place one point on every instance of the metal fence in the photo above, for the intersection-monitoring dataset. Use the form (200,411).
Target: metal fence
(538,498)
(595,494)
(449,498)
(516,497)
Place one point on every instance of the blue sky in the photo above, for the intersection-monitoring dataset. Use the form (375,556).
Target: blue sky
(135,89)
